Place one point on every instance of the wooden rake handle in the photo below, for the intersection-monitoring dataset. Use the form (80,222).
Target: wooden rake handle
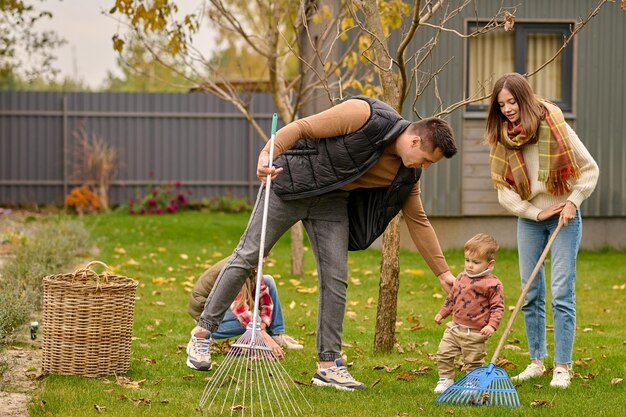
(520,300)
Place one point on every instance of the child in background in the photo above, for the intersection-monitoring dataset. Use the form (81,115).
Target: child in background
(238,316)
(476,303)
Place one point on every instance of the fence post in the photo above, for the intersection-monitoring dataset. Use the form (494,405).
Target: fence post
(65,151)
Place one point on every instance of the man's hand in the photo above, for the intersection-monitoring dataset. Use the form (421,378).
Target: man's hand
(487,330)
(446,279)
(262,168)
(438,318)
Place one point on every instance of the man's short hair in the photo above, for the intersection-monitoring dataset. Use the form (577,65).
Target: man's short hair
(438,133)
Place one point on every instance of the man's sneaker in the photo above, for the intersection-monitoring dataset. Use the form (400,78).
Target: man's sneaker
(532,371)
(198,353)
(561,378)
(287,341)
(336,376)
(443,384)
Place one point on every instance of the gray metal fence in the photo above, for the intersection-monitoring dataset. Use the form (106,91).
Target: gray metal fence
(194,138)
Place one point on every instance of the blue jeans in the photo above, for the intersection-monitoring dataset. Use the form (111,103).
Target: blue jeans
(325,219)
(231,326)
(532,237)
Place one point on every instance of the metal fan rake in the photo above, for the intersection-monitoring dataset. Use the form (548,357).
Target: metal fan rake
(251,380)
(490,384)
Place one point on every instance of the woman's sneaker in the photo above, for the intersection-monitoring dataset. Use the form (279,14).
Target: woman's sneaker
(336,376)
(443,384)
(561,378)
(198,353)
(532,371)
(288,342)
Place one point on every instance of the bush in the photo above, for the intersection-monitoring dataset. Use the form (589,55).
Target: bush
(226,204)
(15,309)
(161,199)
(51,247)
(83,200)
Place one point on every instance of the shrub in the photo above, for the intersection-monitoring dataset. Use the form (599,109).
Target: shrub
(51,247)
(15,309)
(226,203)
(168,198)
(82,200)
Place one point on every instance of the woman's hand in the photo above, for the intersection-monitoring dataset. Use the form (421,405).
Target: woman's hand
(262,168)
(550,211)
(568,212)
(278,351)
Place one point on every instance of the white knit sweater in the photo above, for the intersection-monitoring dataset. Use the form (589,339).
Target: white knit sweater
(539,198)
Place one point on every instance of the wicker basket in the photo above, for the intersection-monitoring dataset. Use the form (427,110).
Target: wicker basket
(87,322)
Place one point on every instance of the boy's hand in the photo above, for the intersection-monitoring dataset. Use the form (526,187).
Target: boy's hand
(487,330)
(438,318)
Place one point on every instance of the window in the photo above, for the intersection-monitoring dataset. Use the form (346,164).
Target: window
(522,50)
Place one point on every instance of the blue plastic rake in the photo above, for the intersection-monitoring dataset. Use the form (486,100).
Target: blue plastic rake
(490,385)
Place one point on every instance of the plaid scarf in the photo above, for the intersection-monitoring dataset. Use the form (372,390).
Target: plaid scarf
(557,163)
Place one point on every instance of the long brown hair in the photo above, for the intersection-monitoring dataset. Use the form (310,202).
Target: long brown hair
(246,292)
(530,110)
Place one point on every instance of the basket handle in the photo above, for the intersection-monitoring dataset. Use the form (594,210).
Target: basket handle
(88,271)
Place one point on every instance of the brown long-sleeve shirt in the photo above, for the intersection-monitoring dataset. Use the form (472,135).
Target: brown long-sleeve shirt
(346,118)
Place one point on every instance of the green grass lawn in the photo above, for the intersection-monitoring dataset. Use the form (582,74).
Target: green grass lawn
(166,253)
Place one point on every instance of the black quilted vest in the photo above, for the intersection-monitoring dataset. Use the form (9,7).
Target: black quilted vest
(314,167)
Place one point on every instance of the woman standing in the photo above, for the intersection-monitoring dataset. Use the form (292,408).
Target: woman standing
(543,173)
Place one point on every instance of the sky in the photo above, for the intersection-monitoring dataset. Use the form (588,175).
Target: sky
(88,54)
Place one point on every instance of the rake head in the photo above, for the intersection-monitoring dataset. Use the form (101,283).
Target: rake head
(488,386)
(251,380)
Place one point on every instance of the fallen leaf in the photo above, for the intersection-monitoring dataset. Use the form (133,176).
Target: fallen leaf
(292,305)
(355,281)
(129,383)
(99,408)
(437,295)
(161,249)
(351,315)
(378,381)
(305,290)
(370,301)
(616,381)
(540,403)
(512,347)
(406,376)
(414,272)
(184,256)
(119,250)
(294,282)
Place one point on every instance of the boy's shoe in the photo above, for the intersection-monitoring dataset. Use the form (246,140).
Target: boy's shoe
(532,371)
(287,341)
(198,353)
(561,378)
(443,384)
(336,376)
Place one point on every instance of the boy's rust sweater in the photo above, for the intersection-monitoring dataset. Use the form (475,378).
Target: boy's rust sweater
(475,302)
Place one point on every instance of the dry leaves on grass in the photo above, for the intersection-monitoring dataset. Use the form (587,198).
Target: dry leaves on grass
(615,381)
(541,403)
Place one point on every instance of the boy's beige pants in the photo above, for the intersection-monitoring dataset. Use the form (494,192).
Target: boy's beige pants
(460,340)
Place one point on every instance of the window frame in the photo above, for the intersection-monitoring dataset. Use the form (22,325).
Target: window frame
(521,30)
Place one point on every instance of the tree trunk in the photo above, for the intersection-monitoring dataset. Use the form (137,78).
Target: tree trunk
(384,337)
(297,249)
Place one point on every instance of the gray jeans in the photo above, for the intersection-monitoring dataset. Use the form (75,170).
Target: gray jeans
(325,219)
